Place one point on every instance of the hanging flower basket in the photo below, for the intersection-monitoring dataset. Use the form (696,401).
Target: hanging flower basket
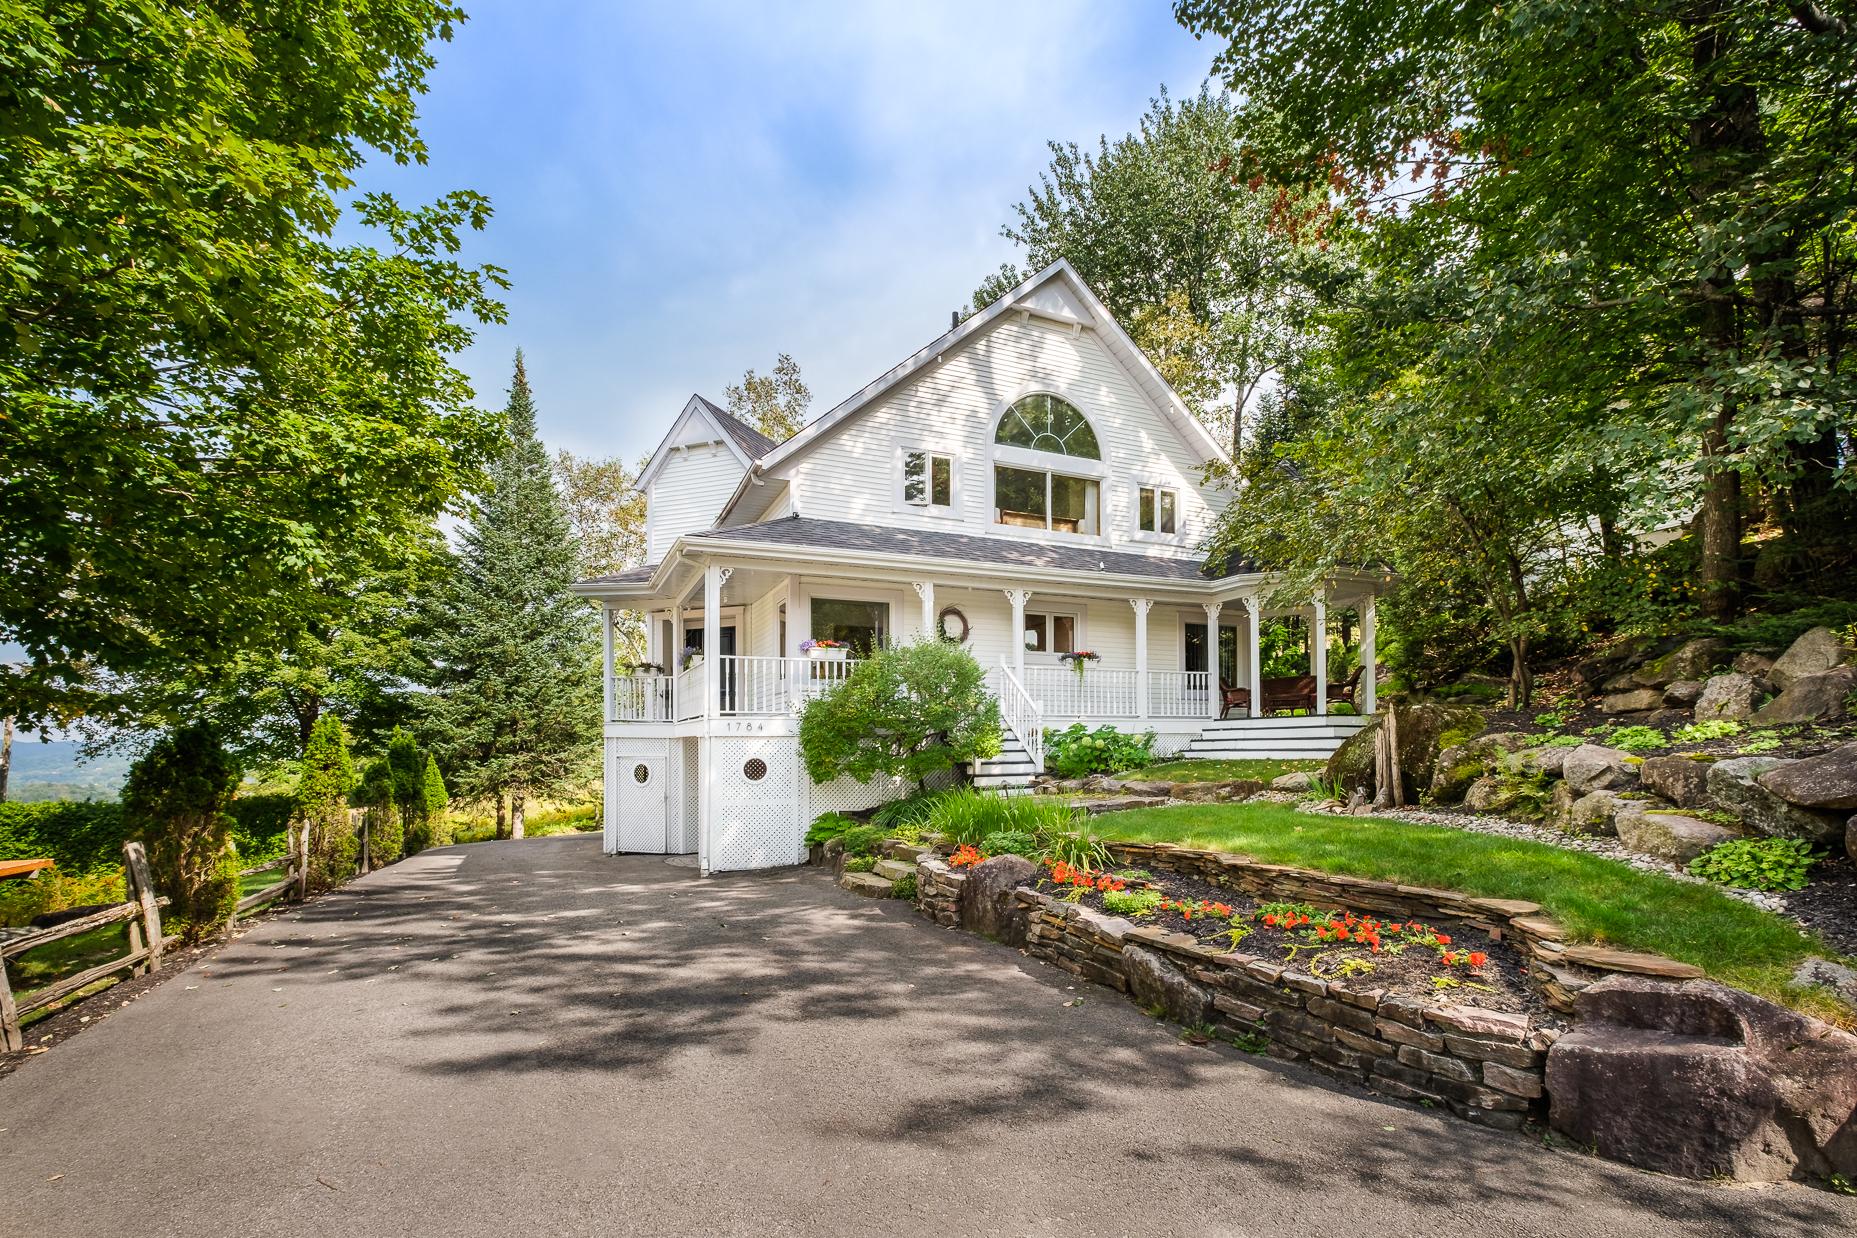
(825,650)
(1080,659)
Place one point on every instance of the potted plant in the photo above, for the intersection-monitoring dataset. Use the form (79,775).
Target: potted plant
(690,657)
(825,650)
(1079,660)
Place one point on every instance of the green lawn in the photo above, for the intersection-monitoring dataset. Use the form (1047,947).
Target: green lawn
(1219,771)
(1596,899)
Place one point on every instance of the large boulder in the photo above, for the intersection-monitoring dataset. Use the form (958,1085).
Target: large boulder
(986,903)
(1157,985)
(1728,698)
(1462,764)
(1682,781)
(1813,698)
(1632,701)
(1754,665)
(1667,835)
(1593,813)
(1549,759)
(1704,1081)
(1827,782)
(1424,729)
(1735,784)
(1814,653)
(1683,694)
(1593,767)
(1690,660)
(1493,793)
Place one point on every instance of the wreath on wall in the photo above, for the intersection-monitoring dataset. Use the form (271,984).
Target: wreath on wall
(953,625)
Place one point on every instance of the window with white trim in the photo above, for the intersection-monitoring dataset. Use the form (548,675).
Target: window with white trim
(928,478)
(1050,633)
(1035,499)
(1159,510)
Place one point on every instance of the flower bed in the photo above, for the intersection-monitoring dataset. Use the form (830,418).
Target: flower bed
(1398,955)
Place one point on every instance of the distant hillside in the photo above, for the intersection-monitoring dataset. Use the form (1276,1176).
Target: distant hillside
(52,771)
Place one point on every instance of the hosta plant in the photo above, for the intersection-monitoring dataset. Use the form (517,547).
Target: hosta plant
(1757,863)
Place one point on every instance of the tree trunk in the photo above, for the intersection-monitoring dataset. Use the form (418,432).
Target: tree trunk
(6,755)
(502,822)
(1521,679)
(515,814)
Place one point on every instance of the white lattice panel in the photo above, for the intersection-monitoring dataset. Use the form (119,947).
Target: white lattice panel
(638,806)
(687,815)
(846,795)
(1172,745)
(755,822)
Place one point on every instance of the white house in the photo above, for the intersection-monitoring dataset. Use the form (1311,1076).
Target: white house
(1027,484)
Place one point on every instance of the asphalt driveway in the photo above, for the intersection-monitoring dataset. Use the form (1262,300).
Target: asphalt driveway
(532,1038)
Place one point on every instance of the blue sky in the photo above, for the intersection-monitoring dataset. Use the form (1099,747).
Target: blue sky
(684,190)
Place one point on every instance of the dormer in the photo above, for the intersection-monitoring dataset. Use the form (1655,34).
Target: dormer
(694,471)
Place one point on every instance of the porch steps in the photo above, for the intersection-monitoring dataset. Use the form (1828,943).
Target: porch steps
(1310,738)
(1010,772)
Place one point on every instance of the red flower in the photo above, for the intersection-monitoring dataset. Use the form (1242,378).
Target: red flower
(1443,939)
(1478,958)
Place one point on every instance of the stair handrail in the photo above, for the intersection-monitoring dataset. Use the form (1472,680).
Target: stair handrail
(1023,716)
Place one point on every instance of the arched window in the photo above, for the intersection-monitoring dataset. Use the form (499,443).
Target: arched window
(1046,422)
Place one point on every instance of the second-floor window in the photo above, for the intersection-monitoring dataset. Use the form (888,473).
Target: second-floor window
(928,479)
(1059,499)
(1159,510)
(1035,499)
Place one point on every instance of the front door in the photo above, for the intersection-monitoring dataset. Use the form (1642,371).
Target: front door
(643,792)
(693,639)
(1228,651)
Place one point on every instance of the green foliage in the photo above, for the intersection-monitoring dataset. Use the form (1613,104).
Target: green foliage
(323,788)
(904,888)
(905,712)
(859,863)
(1075,847)
(177,799)
(261,826)
(1077,751)
(511,655)
(1637,738)
(1552,721)
(269,405)
(407,768)
(968,816)
(1758,745)
(1131,902)
(1706,730)
(1009,842)
(863,839)
(1780,620)
(829,825)
(377,794)
(81,836)
(1757,863)
(913,809)
(22,900)
(434,828)
(1564,741)
(776,403)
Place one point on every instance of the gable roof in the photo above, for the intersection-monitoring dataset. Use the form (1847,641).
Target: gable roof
(1057,293)
(744,442)
(746,437)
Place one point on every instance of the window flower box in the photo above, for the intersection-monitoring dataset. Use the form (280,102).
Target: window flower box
(1080,659)
(825,650)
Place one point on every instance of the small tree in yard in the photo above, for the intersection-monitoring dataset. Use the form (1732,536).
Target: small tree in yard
(178,798)
(906,712)
(322,797)
(377,795)
(434,830)
(407,770)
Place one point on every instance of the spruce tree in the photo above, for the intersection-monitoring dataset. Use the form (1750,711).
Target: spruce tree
(436,832)
(512,656)
(406,766)
(323,789)
(377,795)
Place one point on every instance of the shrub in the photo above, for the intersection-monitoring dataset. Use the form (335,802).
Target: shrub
(1637,738)
(1757,863)
(862,840)
(80,836)
(1077,751)
(178,798)
(434,828)
(385,824)
(860,863)
(904,888)
(1131,902)
(827,826)
(406,766)
(906,712)
(327,780)
(1077,849)
(261,826)
(1009,842)
(24,900)
(1702,732)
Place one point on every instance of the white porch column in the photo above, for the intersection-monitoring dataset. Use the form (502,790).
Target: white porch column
(1018,598)
(1142,607)
(714,578)
(1254,627)
(1318,653)
(925,590)
(609,686)
(1214,692)
(1370,669)
(799,623)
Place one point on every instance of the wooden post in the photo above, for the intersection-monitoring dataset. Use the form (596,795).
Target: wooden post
(1392,756)
(142,890)
(11,1039)
(300,851)
(358,820)
(1382,769)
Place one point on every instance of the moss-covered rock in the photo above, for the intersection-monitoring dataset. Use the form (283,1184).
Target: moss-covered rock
(1461,765)
(1425,730)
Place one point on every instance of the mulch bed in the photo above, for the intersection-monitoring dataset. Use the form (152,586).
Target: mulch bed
(1400,966)
(1828,905)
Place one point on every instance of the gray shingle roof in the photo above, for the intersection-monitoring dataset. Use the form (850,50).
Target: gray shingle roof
(746,437)
(631,576)
(935,544)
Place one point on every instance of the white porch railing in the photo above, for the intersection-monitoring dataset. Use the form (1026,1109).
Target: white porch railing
(688,700)
(772,686)
(1100,692)
(642,698)
(1179,694)
(1022,715)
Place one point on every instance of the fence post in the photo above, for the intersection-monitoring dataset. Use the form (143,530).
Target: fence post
(300,854)
(359,819)
(10,1038)
(142,890)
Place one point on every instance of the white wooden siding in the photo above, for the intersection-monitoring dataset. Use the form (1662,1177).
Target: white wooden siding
(687,493)
(952,406)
